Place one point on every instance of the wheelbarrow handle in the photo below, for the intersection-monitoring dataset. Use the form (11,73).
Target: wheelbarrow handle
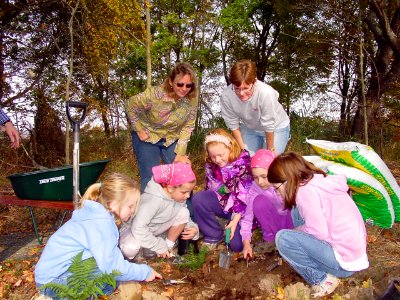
(76,104)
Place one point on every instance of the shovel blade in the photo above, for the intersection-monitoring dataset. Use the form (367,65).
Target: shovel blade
(224,260)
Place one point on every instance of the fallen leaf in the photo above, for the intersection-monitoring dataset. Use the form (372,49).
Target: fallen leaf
(281,293)
(366,284)
(2,290)
(371,239)
(18,283)
(168,293)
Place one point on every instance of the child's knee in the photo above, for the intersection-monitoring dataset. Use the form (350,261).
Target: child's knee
(128,244)
(282,239)
(236,247)
(182,217)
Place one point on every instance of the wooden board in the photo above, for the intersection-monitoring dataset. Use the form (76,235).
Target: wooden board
(12,200)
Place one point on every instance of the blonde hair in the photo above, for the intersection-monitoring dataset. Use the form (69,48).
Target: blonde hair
(115,187)
(181,69)
(234,148)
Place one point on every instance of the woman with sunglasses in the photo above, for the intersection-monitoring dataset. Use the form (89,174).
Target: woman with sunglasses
(329,239)
(252,111)
(162,119)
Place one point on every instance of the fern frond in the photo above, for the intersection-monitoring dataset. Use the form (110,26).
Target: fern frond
(192,260)
(84,282)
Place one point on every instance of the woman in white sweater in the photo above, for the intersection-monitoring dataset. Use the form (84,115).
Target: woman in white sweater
(251,109)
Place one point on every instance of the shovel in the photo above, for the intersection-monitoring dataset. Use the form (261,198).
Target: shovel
(225,257)
(75,127)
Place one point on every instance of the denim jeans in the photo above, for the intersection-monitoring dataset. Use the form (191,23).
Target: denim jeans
(149,155)
(312,258)
(62,279)
(255,140)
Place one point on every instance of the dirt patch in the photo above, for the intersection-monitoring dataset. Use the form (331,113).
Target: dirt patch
(19,252)
(240,281)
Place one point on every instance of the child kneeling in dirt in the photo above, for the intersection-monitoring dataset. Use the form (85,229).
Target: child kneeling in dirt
(228,180)
(162,212)
(329,239)
(92,229)
(265,205)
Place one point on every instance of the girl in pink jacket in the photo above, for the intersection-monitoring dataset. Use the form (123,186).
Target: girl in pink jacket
(329,239)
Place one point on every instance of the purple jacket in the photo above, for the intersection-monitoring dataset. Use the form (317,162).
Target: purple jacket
(237,179)
(247,222)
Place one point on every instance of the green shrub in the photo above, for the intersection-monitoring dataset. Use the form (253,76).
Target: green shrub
(83,282)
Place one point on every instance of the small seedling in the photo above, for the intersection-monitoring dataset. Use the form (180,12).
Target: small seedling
(192,260)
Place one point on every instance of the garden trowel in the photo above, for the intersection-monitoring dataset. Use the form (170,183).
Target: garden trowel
(225,256)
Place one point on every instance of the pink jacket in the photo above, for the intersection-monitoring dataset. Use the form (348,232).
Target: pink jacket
(330,214)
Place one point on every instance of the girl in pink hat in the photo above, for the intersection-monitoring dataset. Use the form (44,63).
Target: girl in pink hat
(162,215)
(265,204)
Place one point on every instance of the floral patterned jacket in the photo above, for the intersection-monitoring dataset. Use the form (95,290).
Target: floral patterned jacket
(236,177)
(162,117)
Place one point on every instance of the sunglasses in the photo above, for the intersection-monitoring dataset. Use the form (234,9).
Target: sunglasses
(188,85)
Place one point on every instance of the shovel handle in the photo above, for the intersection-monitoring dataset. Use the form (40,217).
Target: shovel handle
(227,236)
(76,104)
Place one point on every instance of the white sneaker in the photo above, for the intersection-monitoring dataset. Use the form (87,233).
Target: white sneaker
(326,287)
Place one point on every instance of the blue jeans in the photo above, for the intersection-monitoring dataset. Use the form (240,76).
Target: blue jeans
(62,279)
(255,140)
(312,258)
(149,155)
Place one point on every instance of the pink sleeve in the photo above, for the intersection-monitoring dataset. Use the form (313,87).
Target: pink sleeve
(310,206)
(246,222)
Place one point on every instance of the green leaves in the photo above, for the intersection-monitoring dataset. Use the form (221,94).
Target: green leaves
(84,280)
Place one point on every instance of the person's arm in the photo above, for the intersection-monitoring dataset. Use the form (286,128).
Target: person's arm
(186,132)
(135,106)
(269,136)
(13,134)
(10,129)
(238,136)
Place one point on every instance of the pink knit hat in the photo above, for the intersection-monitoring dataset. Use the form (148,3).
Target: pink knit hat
(262,159)
(173,174)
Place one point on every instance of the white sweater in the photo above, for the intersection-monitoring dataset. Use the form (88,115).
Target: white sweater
(262,112)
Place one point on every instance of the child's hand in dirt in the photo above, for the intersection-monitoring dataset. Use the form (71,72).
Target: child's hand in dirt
(247,250)
(153,275)
(167,254)
(189,233)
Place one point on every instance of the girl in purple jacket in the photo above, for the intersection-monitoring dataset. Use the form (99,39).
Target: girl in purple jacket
(329,239)
(228,180)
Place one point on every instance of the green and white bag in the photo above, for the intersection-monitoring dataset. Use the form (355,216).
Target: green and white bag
(370,196)
(364,158)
